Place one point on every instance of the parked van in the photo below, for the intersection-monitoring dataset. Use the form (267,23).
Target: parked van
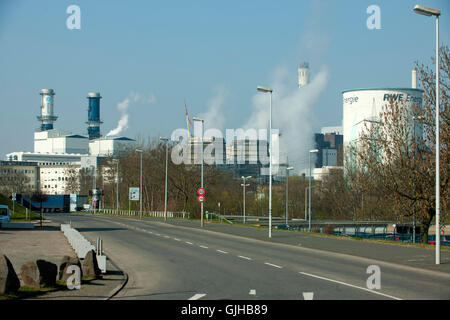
(4,214)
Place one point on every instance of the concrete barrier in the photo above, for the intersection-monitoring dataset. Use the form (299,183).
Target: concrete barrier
(82,246)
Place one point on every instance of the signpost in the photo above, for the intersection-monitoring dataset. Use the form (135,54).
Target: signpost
(132,196)
(201,197)
(13,198)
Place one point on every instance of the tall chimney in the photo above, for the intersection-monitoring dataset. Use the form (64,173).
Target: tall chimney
(303,74)
(414,78)
(47,117)
(94,115)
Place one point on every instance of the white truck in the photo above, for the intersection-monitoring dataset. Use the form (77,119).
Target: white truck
(4,214)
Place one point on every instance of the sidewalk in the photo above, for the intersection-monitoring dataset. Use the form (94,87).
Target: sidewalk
(49,243)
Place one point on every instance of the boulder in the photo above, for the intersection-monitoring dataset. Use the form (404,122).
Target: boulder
(66,262)
(39,274)
(9,281)
(89,265)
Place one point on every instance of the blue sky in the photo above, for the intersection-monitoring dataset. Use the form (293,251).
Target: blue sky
(168,51)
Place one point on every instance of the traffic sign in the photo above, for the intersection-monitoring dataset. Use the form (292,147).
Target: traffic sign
(134,194)
(201,191)
(201,199)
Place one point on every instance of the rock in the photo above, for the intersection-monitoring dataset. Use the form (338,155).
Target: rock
(90,266)
(66,262)
(9,281)
(39,274)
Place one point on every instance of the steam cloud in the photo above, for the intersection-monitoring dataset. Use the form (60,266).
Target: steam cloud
(291,113)
(124,106)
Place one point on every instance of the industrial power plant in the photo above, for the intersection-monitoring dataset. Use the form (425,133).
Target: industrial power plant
(55,150)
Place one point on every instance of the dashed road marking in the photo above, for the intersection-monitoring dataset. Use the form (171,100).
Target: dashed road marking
(308,295)
(188,242)
(176,239)
(197,296)
(252,292)
(204,247)
(246,258)
(221,251)
(273,265)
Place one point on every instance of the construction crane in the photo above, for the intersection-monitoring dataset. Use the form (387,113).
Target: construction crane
(188,121)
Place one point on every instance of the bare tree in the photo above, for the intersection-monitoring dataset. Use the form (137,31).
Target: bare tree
(391,159)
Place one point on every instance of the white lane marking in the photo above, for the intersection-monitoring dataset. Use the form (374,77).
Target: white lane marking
(157,234)
(197,296)
(308,295)
(204,247)
(176,239)
(252,292)
(188,242)
(222,251)
(246,258)
(350,285)
(166,237)
(272,265)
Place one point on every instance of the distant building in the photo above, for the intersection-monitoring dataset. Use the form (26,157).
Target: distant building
(19,176)
(330,146)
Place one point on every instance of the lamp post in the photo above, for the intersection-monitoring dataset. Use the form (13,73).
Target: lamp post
(434,12)
(165,192)
(245,185)
(201,139)
(140,184)
(116,161)
(287,192)
(310,177)
(269,90)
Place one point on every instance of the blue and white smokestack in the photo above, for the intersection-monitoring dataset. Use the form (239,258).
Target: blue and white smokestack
(47,118)
(94,115)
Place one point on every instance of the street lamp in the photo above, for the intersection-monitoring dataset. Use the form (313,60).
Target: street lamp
(201,138)
(434,12)
(116,161)
(140,184)
(269,90)
(165,192)
(310,177)
(287,192)
(245,185)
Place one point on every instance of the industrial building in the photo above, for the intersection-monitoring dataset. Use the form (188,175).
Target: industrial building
(362,107)
(58,153)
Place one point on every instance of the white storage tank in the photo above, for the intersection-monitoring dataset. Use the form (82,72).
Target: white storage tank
(363,105)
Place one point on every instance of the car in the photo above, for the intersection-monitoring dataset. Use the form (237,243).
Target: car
(4,214)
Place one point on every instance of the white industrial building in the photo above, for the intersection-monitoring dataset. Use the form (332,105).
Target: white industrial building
(362,107)
(109,146)
(58,141)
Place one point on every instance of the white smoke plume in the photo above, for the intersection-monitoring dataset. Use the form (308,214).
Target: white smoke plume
(123,107)
(214,117)
(292,114)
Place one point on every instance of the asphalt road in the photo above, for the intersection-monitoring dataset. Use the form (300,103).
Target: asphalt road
(174,261)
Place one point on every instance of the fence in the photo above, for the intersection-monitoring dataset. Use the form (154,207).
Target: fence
(132,213)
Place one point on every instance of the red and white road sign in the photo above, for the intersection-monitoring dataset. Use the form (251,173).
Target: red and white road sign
(201,191)
(201,199)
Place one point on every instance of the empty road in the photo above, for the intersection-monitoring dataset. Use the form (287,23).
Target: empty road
(171,261)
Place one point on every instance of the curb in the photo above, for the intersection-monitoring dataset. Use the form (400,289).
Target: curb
(119,288)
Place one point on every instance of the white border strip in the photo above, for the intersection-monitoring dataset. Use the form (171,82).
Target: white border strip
(350,285)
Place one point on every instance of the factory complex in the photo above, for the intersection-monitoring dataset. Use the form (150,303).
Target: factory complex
(59,155)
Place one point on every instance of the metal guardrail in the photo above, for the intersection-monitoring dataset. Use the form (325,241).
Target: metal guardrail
(131,213)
